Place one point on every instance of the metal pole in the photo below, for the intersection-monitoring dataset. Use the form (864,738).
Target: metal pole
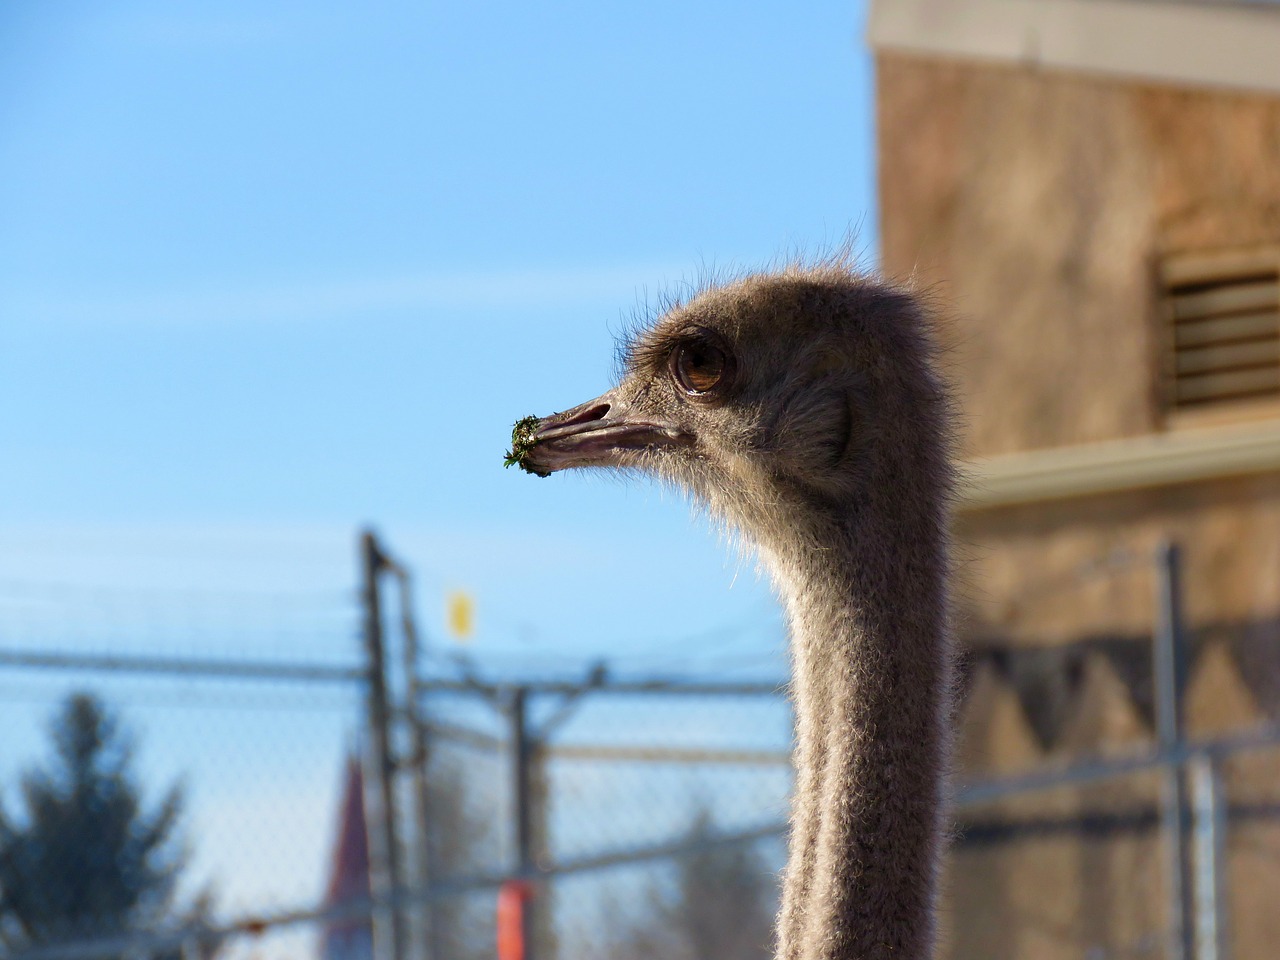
(1169,662)
(415,714)
(1211,836)
(541,906)
(384,854)
(522,803)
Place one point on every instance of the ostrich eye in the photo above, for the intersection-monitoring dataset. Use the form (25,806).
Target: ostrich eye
(700,367)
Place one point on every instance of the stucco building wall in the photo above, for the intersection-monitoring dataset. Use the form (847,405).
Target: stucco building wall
(1036,206)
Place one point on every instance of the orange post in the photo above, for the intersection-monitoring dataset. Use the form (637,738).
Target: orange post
(513,899)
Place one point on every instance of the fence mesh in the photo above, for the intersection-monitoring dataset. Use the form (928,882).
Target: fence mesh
(653,813)
(257,769)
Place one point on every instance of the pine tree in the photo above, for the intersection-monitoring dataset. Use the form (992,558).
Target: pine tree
(85,859)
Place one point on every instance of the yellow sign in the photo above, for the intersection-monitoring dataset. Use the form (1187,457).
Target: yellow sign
(461,615)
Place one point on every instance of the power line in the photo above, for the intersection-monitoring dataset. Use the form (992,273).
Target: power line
(263,699)
(64,590)
(176,666)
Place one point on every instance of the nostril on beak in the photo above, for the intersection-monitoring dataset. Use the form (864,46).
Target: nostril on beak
(585,414)
(561,424)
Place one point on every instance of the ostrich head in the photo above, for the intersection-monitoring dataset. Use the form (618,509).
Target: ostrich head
(777,394)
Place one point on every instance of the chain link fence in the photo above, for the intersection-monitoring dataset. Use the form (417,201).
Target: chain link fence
(645,808)
(398,807)
(255,765)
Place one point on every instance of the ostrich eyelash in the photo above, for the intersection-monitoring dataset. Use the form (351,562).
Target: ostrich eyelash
(650,353)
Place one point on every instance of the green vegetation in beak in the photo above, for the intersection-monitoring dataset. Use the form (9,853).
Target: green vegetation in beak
(521,443)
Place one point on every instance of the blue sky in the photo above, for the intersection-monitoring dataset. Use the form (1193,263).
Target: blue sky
(288,268)
(269,271)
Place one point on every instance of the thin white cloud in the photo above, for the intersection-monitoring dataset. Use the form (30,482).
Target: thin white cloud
(188,32)
(327,300)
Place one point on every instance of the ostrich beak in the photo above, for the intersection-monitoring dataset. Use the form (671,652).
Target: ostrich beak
(603,432)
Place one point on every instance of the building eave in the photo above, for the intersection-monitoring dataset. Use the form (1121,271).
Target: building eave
(1164,41)
(1185,456)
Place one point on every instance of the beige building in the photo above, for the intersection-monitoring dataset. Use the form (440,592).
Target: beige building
(1091,188)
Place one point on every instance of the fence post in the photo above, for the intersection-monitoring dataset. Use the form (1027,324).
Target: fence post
(422,923)
(1169,663)
(384,853)
(1210,820)
(522,807)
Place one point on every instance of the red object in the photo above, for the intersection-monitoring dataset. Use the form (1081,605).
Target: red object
(513,900)
(350,938)
(349,873)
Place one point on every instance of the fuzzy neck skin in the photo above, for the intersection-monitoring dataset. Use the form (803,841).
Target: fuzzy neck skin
(865,595)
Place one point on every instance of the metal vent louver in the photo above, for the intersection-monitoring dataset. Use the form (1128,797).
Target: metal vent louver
(1223,313)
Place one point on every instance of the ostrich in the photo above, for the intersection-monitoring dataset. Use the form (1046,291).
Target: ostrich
(801,407)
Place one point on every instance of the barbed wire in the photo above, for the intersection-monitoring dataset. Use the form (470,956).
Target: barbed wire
(71,590)
(317,701)
(179,618)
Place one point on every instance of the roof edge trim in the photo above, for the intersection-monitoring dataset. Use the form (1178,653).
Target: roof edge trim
(1118,466)
(1167,41)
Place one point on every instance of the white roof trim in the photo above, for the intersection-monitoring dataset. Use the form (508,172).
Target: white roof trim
(1217,44)
(1184,456)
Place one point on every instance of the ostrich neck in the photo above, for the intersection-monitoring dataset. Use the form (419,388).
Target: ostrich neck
(865,595)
